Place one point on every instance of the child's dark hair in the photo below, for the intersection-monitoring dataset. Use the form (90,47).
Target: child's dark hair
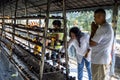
(77,33)
(37,38)
(57,22)
(100,10)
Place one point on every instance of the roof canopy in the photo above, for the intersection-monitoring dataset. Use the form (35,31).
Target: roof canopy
(38,6)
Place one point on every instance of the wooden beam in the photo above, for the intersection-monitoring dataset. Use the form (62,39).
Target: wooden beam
(25,3)
(115,17)
(65,38)
(2,5)
(10,8)
(37,8)
(13,36)
(44,41)
(114,21)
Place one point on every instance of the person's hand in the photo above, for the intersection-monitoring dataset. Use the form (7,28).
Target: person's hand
(94,28)
(110,62)
(86,55)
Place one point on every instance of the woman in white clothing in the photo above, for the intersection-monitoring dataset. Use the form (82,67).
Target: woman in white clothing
(79,45)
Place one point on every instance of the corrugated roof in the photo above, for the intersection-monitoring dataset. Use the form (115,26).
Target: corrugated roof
(37,6)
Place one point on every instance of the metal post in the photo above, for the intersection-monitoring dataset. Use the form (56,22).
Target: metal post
(65,38)
(44,41)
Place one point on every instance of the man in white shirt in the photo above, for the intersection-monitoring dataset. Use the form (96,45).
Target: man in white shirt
(101,42)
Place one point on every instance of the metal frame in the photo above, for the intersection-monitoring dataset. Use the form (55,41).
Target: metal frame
(78,8)
(41,63)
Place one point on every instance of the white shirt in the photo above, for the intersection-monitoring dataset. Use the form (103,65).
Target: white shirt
(81,51)
(101,53)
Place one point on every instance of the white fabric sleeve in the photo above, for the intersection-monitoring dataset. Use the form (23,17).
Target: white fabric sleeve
(99,35)
(70,45)
(71,48)
(72,51)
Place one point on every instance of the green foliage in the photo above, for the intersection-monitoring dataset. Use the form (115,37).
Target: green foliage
(118,23)
(86,17)
(82,19)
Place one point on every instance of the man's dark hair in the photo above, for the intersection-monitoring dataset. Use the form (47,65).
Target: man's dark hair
(57,22)
(100,10)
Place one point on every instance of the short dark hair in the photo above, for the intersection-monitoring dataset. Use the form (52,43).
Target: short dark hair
(37,37)
(57,22)
(100,10)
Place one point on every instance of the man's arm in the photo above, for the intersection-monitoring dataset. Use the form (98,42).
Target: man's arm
(92,43)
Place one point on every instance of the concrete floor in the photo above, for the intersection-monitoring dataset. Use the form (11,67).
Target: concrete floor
(7,70)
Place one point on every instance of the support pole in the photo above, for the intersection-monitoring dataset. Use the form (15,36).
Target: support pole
(12,24)
(13,37)
(44,41)
(25,2)
(3,19)
(10,4)
(15,14)
(114,21)
(2,32)
(10,8)
(26,12)
(2,22)
(40,20)
(115,17)
(65,39)
(39,23)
